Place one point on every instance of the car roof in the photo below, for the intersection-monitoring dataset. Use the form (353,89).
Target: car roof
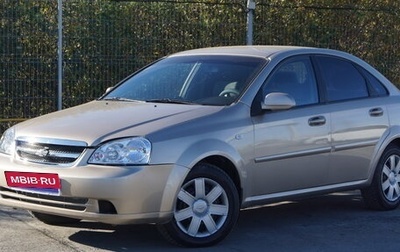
(281,52)
(264,51)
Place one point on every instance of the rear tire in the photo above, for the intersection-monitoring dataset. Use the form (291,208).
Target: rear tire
(384,191)
(54,219)
(206,208)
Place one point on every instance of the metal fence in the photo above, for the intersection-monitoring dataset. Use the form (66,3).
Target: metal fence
(105,40)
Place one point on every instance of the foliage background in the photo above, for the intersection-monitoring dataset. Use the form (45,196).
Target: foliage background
(105,40)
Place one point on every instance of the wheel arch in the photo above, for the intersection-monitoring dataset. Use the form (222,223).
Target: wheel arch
(229,168)
(219,153)
(210,151)
(390,137)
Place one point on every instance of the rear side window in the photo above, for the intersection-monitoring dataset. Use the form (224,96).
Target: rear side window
(376,87)
(342,79)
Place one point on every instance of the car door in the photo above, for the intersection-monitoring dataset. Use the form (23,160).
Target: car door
(291,146)
(358,117)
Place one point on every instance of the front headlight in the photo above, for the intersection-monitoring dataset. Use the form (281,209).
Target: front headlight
(125,151)
(7,142)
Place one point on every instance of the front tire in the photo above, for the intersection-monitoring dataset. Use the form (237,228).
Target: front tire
(206,208)
(384,191)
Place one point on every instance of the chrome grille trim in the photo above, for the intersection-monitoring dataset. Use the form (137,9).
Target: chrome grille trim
(54,141)
(49,151)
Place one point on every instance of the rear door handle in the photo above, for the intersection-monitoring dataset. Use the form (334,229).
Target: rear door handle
(317,121)
(376,112)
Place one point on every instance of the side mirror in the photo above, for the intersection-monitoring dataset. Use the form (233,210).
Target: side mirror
(278,101)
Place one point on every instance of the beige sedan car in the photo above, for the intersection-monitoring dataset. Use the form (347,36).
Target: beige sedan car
(191,139)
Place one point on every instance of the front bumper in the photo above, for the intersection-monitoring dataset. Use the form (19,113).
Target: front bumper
(108,194)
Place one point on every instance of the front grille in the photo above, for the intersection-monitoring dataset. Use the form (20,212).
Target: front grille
(71,203)
(49,151)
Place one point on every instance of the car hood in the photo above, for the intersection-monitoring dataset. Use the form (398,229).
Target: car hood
(98,121)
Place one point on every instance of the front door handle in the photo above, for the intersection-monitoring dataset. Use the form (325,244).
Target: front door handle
(376,112)
(317,121)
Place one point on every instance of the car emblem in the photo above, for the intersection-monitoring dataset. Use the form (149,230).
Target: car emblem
(42,152)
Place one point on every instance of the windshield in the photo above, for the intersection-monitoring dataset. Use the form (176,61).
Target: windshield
(208,80)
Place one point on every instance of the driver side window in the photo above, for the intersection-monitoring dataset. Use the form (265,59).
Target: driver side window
(295,78)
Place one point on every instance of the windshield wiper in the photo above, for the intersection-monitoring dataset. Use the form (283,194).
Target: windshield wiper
(168,100)
(119,99)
